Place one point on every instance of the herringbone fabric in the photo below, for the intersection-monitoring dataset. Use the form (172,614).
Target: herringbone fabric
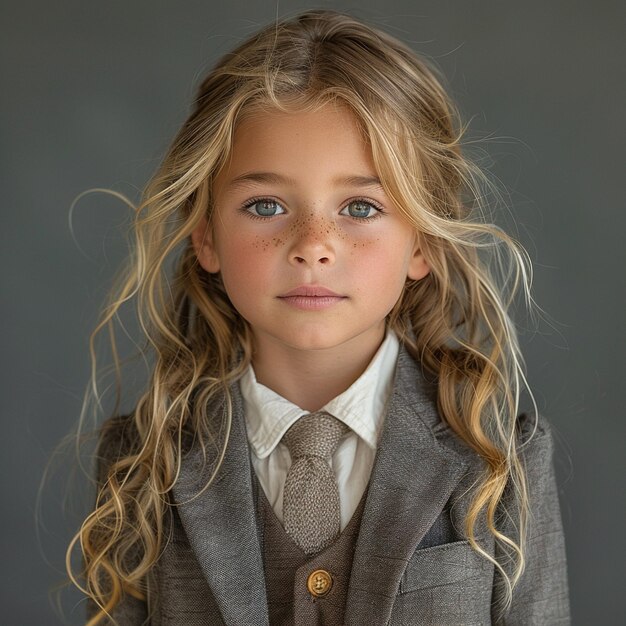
(311,513)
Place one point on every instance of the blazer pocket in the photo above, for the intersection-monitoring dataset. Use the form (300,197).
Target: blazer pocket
(447,564)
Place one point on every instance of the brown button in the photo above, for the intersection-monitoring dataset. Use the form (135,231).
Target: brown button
(319,583)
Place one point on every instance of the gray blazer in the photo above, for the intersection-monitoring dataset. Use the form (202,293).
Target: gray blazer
(412,564)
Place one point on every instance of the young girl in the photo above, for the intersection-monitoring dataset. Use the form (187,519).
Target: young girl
(331,432)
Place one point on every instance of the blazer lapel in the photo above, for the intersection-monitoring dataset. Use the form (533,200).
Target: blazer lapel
(220,523)
(413,477)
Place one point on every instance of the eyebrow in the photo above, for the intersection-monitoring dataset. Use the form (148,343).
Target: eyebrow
(250,178)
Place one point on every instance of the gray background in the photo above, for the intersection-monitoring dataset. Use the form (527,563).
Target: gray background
(92,92)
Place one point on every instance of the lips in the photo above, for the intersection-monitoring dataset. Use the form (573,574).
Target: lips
(310,291)
(311,298)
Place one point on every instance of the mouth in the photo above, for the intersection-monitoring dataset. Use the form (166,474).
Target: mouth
(311,298)
(310,291)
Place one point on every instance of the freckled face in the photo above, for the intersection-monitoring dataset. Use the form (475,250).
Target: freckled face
(312,252)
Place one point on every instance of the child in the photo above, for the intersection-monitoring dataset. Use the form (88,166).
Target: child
(331,431)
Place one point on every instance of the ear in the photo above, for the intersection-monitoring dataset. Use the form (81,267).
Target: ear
(418,266)
(202,241)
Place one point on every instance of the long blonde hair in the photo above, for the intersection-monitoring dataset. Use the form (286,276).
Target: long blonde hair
(455,321)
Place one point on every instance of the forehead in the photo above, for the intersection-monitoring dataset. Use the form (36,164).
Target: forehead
(295,108)
(317,144)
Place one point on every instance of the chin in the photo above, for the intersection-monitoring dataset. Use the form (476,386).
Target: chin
(311,343)
(316,339)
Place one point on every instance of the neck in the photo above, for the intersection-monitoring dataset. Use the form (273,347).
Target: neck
(312,378)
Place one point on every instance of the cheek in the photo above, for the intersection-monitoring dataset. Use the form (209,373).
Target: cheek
(379,256)
(386,273)
(244,262)
(381,265)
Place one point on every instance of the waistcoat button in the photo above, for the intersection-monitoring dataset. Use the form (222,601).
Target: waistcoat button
(319,583)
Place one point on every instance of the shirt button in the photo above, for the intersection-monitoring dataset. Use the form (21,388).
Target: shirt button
(319,583)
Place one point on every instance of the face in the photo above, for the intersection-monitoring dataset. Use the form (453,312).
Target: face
(312,252)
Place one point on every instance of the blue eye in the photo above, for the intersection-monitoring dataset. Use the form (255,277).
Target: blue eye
(264,208)
(361,209)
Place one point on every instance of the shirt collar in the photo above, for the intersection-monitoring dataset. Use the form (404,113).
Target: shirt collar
(361,406)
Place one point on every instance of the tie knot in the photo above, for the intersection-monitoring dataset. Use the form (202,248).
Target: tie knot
(315,434)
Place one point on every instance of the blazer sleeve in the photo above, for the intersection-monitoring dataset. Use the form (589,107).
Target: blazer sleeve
(116,440)
(541,595)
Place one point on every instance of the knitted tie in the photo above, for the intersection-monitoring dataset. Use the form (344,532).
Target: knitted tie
(311,497)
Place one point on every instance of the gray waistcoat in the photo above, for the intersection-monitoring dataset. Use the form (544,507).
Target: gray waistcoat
(287,569)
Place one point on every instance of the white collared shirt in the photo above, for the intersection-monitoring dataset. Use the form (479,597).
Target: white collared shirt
(361,407)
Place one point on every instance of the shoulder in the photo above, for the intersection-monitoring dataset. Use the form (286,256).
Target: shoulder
(118,437)
(535,448)
(534,436)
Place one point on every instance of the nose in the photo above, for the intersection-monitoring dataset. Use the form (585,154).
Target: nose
(312,244)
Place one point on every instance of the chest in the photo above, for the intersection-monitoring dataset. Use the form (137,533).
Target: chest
(444,580)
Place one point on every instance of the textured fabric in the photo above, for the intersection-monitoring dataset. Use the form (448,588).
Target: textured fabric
(362,407)
(287,569)
(412,564)
(311,500)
